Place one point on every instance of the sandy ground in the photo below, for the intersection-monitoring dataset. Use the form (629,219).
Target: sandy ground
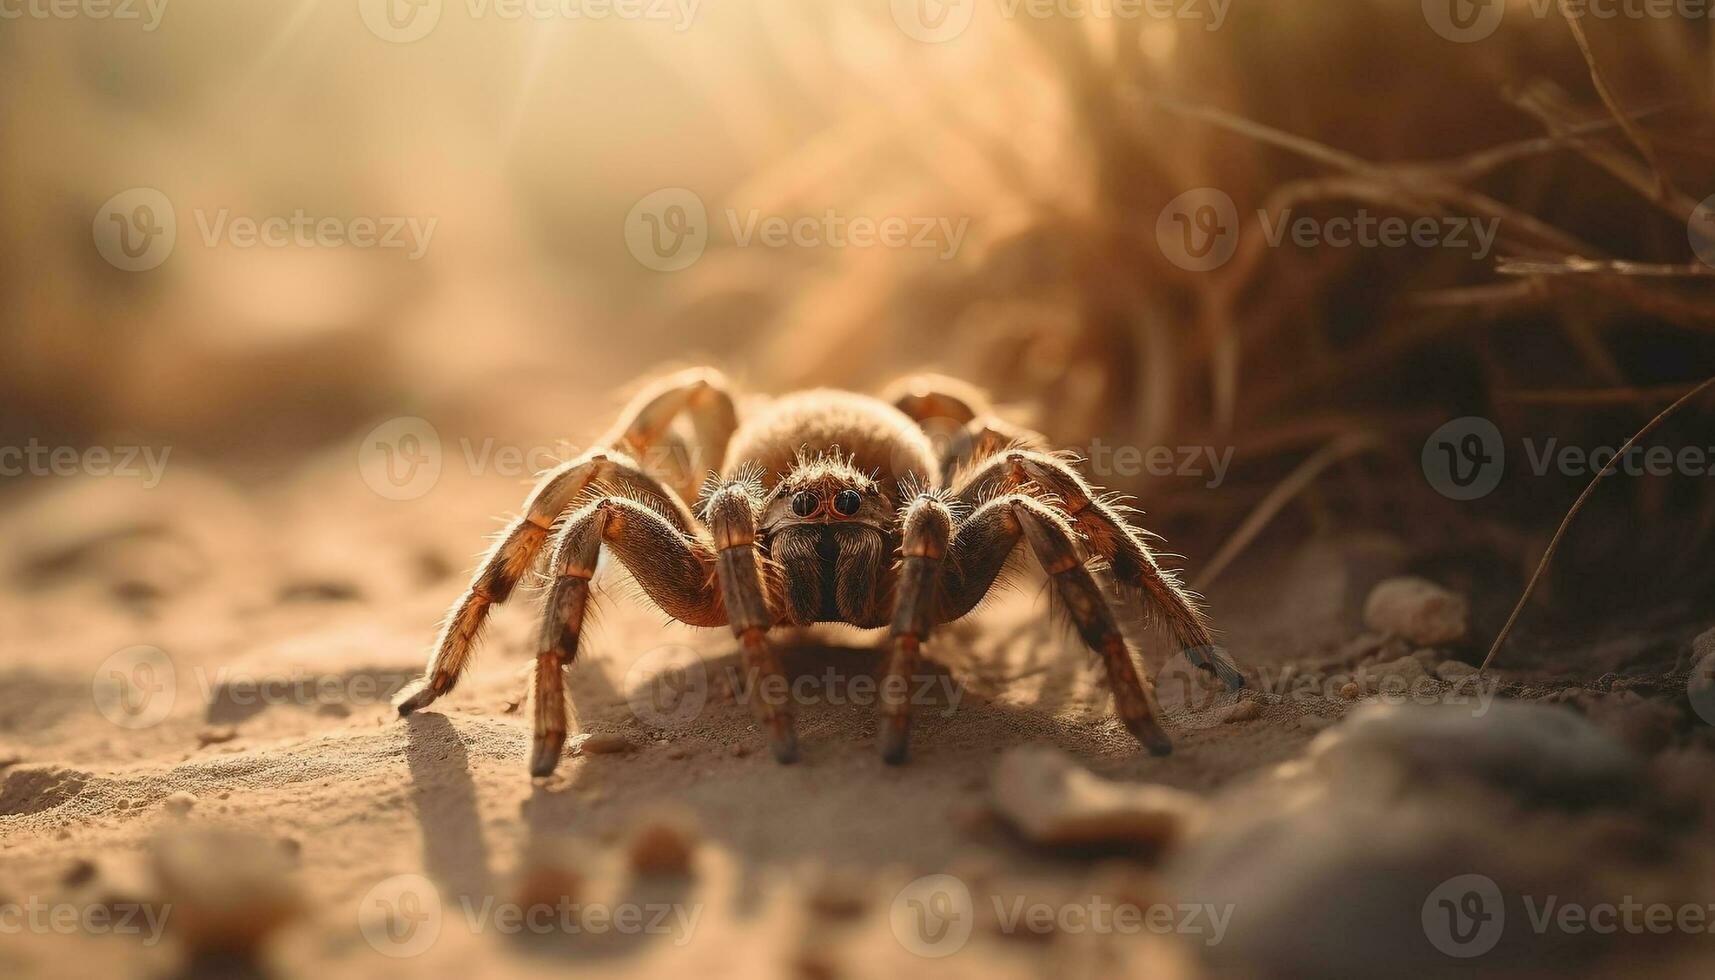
(283,620)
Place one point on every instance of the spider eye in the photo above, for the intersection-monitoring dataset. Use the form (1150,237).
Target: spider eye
(805,503)
(847,502)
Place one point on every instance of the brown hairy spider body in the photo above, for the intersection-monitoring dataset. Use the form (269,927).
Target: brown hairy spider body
(828,506)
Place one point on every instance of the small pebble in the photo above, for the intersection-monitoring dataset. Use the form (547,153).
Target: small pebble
(228,891)
(974,818)
(1393,676)
(1244,711)
(601,743)
(838,896)
(1453,670)
(1349,691)
(739,750)
(215,736)
(553,872)
(81,872)
(814,964)
(1052,799)
(662,847)
(180,802)
(1418,610)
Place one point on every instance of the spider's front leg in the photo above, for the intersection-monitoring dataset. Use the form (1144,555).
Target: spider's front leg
(516,552)
(701,392)
(975,560)
(675,569)
(1098,522)
(927,531)
(731,512)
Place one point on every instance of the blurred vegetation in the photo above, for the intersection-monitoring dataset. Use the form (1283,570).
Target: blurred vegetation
(1061,140)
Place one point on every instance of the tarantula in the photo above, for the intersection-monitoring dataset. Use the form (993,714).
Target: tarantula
(828,506)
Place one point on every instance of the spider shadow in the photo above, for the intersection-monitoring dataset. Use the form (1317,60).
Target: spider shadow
(455,853)
(771,817)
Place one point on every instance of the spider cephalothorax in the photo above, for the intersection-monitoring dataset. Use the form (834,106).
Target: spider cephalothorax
(827,506)
(828,528)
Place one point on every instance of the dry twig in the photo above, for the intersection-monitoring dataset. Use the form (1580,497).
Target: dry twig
(1577,505)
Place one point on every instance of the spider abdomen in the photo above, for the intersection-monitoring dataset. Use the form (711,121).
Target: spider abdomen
(875,438)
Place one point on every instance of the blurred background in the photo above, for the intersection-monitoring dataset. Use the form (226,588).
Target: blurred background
(491,173)
(296,296)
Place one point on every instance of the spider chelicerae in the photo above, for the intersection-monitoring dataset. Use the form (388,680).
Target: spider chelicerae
(827,506)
